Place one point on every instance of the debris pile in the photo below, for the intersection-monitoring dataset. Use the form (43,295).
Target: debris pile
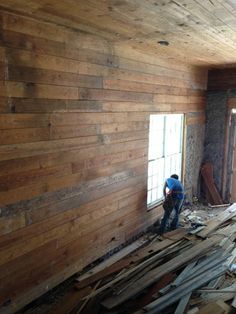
(179,272)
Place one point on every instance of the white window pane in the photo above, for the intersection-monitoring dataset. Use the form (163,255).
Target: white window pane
(155,166)
(165,152)
(155,146)
(173,134)
(149,197)
(161,177)
(167,167)
(149,183)
(154,181)
(159,192)
(154,195)
(173,163)
(150,168)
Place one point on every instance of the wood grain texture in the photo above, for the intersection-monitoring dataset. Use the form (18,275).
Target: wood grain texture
(198,32)
(74,120)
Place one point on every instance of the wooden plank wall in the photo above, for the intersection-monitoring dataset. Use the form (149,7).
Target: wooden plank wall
(73,156)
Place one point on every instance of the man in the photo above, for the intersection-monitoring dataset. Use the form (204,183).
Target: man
(174,195)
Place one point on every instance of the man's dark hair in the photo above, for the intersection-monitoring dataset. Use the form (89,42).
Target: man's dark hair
(175,176)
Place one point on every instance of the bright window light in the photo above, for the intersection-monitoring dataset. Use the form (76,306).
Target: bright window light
(165,152)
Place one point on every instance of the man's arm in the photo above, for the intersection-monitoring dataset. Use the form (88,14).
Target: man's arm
(164,189)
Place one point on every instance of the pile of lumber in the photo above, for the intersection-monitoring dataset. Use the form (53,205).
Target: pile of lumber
(177,273)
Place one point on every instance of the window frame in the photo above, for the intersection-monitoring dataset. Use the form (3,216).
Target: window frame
(182,149)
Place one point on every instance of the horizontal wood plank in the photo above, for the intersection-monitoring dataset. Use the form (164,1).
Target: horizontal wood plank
(74,120)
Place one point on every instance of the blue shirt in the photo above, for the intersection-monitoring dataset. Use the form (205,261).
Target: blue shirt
(176,187)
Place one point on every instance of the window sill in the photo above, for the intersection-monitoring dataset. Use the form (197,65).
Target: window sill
(155,205)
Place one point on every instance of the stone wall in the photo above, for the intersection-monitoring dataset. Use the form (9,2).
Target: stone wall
(216,113)
(194,154)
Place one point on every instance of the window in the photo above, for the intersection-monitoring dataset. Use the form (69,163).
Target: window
(165,152)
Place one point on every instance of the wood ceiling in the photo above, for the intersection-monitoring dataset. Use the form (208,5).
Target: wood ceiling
(199,32)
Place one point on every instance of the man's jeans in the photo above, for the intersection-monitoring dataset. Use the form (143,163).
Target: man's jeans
(174,224)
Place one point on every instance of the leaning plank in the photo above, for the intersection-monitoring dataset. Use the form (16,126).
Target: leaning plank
(153,291)
(154,262)
(87,300)
(207,174)
(69,301)
(179,279)
(223,294)
(125,262)
(179,292)
(213,224)
(218,206)
(233,304)
(212,307)
(175,234)
(183,304)
(192,271)
(133,270)
(160,271)
(114,258)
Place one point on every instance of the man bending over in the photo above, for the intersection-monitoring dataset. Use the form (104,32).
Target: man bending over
(174,195)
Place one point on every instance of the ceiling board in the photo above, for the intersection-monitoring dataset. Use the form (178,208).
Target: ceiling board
(199,32)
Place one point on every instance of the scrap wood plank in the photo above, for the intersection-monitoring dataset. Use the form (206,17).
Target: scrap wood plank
(224,306)
(123,263)
(212,307)
(148,265)
(213,224)
(193,270)
(223,252)
(154,289)
(218,307)
(216,282)
(114,258)
(205,265)
(219,206)
(223,294)
(161,270)
(230,210)
(177,234)
(147,297)
(193,310)
(134,269)
(183,303)
(182,290)
(179,278)
(227,231)
(87,300)
(153,262)
(207,174)
(129,281)
(69,301)
(229,253)
(233,304)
